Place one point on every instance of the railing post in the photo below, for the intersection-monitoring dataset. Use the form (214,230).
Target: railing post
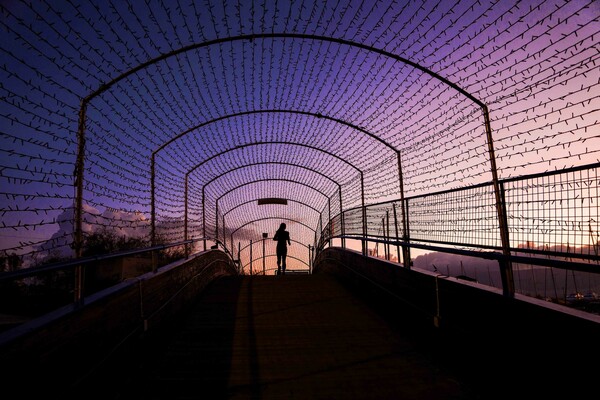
(342,227)
(508,285)
(387,235)
(185,219)
(204,221)
(239,260)
(364,216)
(224,233)
(263,253)
(396,230)
(152,202)
(406,235)
(217,221)
(78,217)
(384,238)
(330,224)
(506,272)
(404,206)
(154,261)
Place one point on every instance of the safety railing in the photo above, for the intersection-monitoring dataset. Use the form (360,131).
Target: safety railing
(33,291)
(259,257)
(553,220)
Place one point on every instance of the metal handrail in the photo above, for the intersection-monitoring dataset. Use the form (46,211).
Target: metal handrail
(62,265)
(490,255)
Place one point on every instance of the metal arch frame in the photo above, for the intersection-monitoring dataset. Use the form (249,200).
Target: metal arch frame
(255,199)
(251,244)
(273,111)
(247,202)
(507,274)
(265,218)
(264,180)
(245,166)
(360,172)
(300,112)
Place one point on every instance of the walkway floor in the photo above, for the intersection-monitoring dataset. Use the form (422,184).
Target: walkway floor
(282,337)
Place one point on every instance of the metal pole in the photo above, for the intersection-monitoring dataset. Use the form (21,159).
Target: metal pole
(78,222)
(217,221)
(342,228)
(263,255)
(320,230)
(508,285)
(396,229)
(405,233)
(185,220)
(224,233)
(406,236)
(384,238)
(250,257)
(364,215)
(204,221)
(387,234)
(153,212)
(152,202)
(330,223)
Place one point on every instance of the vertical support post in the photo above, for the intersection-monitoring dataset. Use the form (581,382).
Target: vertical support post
(384,238)
(329,219)
(153,211)
(152,202)
(154,261)
(320,229)
(263,255)
(204,221)
(78,222)
(406,248)
(185,219)
(506,272)
(405,233)
(508,285)
(387,234)
(250,257)
(217,222)
(364,215)
(224,234)
(396,230)
(342,227)
(239,260)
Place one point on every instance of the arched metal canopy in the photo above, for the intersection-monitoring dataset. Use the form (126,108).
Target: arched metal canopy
(147,104)
(295,36)
(319,115)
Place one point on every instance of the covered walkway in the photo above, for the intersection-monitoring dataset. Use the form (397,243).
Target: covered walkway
(287,337)
(316,337)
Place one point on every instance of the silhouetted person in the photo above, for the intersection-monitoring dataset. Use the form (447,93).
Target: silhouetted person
(283,240)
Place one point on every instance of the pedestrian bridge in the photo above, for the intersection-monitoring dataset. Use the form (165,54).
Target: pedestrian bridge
(356,328)
(436,164)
